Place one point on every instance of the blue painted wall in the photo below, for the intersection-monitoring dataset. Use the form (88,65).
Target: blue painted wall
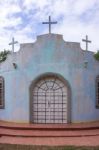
(50,53)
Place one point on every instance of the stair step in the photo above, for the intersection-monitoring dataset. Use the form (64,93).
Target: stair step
(42,133)
(48,130)
(50,134)
(54,127)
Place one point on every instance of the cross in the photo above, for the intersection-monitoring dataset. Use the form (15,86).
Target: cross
(13,43)
(50,23)
(87,41)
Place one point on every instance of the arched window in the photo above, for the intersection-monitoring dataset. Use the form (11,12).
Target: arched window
(1,92)
(97,91)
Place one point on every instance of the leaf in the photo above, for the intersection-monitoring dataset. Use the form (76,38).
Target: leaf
(3,55)
(96,55)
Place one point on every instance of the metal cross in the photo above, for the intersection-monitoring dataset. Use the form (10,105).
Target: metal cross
(87,41)
(13,43)
(50,23)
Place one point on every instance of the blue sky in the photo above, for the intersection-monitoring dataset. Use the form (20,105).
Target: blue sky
(23,19)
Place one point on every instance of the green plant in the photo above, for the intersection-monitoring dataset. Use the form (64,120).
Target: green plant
(96,55)
(3,55)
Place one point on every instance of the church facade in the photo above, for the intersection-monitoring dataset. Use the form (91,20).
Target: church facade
(49,81)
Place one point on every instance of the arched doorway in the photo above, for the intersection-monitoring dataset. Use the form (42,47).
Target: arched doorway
(50,100)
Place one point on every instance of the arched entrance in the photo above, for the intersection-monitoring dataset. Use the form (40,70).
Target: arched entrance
(50,100)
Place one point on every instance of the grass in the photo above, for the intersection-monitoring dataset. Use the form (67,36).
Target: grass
(29,147)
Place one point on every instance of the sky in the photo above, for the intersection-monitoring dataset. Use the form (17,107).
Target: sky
(22,19)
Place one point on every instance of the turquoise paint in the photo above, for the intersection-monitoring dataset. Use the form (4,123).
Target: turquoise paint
(50,53)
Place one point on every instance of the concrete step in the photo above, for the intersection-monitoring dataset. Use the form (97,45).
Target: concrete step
(47,133)
(48,130)
(52,141)
(54,127)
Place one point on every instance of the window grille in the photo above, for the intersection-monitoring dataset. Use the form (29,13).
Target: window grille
(97,91)
(1,92)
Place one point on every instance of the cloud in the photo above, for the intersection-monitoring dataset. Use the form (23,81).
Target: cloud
(23,19)
(81,7)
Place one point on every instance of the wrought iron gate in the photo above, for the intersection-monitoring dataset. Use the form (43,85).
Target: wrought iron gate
(49,101)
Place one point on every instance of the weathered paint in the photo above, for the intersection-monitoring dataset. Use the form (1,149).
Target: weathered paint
(50,54)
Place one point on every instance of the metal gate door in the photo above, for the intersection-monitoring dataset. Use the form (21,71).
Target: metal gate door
(49,101)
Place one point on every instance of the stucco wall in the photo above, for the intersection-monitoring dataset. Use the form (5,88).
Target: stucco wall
(50,54)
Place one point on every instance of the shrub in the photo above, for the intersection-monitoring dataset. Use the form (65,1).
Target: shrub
(96,55)
(3,55)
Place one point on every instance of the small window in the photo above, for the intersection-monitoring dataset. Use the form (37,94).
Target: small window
(1,92)
(97,91)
